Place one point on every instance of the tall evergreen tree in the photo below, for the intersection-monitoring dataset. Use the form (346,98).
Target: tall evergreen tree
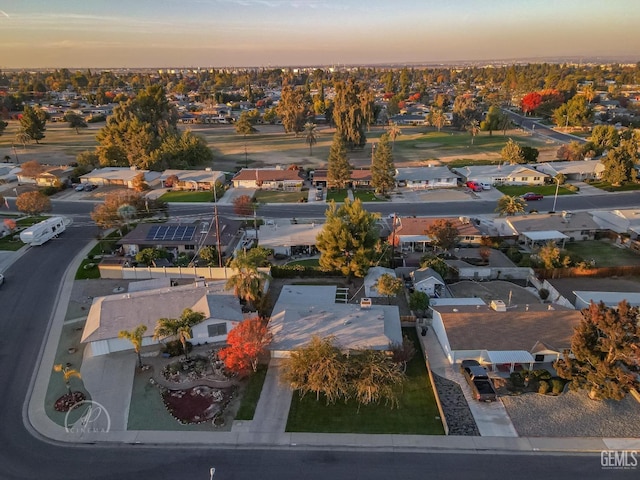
(339,169)
(293,109)
(348,239)
(33,122)
(349,116)
(383,169)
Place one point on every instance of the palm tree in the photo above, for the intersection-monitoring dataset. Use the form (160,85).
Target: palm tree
(510,205)
(474,129)
(135,337)
(248,282)
(67,373)
(310,136)
(393,131)
(180,327)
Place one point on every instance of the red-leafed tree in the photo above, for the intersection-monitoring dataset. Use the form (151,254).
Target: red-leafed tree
(530,102)
(243,205)
(247,342)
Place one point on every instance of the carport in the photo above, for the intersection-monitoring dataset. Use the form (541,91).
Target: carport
(543,236)
(507,361)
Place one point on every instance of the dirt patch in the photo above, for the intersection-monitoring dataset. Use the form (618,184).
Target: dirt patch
(196,405)
(509,293)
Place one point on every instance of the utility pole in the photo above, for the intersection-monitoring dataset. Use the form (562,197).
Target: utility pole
(215,216)
(393,242)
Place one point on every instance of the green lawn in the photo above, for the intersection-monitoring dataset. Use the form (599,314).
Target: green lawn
(367,196)
(604,253)
(274,196)
(546,190)
(88,269)
(186,196)
(338,195)
(418,413)
(11,242)
(627,187)
(251,394)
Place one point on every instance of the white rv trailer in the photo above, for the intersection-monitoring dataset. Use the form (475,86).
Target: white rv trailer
(44,231)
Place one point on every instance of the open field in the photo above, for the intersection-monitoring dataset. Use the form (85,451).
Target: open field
(271,146)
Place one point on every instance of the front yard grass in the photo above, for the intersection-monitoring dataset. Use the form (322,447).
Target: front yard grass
(604,253)
(546,190)
(274,196)
(251,394)
(417,414)
(308,262)
(187,196)
(606,186)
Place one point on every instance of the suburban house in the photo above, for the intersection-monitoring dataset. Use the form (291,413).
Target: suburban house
(622,221)
(507,339)
(610,299)
(578,170)
(427,280)
(125,311)
(410,233)
(288,238)
(371,279)
(269,179)
(183,237)
(50,177)
(543,227)
(426,177)
(408,119)
(359,178)
(191,179)
(303,311)
(502,174)
(117,176)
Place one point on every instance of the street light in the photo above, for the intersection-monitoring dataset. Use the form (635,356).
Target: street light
(555,198)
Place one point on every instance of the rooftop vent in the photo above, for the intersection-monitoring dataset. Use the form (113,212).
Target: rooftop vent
(498,306)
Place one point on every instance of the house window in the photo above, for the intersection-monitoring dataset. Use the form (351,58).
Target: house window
(585,232)
(539,358)
(189,247)
(525,179)
(217,329)
(536,179)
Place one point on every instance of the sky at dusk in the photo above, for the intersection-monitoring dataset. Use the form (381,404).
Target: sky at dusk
(161,33)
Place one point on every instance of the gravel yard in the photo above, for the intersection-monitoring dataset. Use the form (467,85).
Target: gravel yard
(573,414)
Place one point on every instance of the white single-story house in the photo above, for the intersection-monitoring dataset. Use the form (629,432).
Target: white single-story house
(268,179)
(610,299)
(505,338)
(192,179)
(427,280)
(579,170)
(125,311)
(542,227)
(118,176)
(371,279)
(287,238)
(502,174)
(303,311)
(426,177)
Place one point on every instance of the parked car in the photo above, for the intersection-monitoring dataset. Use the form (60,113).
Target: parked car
(485,185)
(89,187)
(481,385)
(80,188)
(474,186)
(532,196)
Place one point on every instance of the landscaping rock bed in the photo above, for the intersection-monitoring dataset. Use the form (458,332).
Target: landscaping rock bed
(67,401)
(456,409)
(197,404)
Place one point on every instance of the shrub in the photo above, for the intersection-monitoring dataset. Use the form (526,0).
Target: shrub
(557,386)
(572,188)
(543,387)
(541,374)
(514,254)
(174,348)
(544,293)
(50,190)
(517,380)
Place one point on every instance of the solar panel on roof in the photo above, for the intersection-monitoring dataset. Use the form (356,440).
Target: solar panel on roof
(171,232)
(151,234)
